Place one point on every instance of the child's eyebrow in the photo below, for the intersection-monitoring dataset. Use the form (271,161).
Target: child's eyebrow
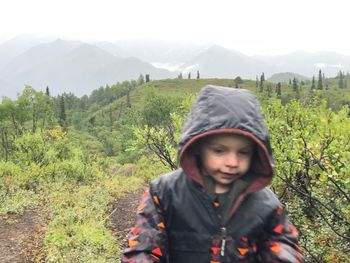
(250,146)
(216,144)
(246,149)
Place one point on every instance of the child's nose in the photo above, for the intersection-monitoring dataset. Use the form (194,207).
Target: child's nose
(232,160)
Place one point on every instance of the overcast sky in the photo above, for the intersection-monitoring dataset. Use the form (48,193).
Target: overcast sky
(263,27)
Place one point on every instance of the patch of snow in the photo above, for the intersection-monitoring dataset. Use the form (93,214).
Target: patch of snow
(168,66)
(323,65)
(337,66)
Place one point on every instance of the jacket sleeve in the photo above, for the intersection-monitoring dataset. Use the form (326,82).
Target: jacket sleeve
(147,242)
(280,244)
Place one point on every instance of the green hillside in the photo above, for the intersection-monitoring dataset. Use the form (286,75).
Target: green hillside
(183,87)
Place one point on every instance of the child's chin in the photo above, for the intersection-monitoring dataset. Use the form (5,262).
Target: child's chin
(229,178)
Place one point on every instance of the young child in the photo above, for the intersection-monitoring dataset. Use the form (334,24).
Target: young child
(216,208)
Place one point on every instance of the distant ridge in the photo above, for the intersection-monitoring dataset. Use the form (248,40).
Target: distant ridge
(80,67)
(217,61)
(66,66)
(286,77)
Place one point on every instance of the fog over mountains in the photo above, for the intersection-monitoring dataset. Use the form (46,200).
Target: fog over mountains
(79,67)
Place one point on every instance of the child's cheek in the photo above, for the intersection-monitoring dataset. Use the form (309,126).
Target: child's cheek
(214,163)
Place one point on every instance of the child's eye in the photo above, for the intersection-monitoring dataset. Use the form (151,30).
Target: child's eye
(218,150)
(245,152)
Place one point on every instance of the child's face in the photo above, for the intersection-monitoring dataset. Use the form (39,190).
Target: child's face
(226,157)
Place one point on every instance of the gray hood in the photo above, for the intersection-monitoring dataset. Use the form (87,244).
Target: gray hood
(220,110)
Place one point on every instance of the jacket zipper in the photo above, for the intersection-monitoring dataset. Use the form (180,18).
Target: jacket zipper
(223,241)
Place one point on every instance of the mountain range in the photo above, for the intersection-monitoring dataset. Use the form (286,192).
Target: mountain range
(80,67)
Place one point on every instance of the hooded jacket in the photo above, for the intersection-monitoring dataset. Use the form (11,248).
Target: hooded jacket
(177,220)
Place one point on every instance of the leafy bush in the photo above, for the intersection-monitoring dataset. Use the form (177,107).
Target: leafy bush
(18,187)
(78,230)
(70,170)
(148,169)
(30,148)
(312,153)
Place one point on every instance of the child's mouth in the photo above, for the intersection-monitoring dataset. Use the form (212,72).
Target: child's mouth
(230,175)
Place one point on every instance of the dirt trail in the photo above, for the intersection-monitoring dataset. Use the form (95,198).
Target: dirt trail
(20,236)
(123,217)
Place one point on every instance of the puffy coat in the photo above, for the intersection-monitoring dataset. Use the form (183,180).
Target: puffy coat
(177,220)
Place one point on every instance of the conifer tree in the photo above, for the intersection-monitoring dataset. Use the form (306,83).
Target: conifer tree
(295,85)
(189,75)
(319,82)
(198,74)
(47,91)
(262,80)
(269,90)
(313,84)
(278,90)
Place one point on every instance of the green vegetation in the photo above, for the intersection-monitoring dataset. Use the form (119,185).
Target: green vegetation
(311,145)
(72,157)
